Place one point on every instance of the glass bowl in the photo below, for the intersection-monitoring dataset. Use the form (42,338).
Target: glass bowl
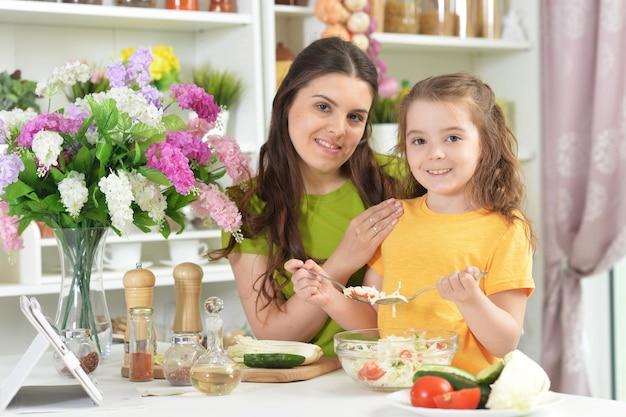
(387,359)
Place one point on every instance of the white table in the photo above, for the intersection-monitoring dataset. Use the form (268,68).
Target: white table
(334,394)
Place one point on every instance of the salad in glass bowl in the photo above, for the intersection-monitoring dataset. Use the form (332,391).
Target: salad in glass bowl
(387,359)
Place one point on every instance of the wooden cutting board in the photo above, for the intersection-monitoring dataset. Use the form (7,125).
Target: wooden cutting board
(322,366)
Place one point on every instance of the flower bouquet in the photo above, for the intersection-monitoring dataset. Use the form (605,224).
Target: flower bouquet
(108,161)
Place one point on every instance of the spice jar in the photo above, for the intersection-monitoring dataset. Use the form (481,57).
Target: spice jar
(136,3)
(401,16)
(80,343)
(184,350)
(141,344)
(215,373)
(227,6)
(439,17)
(182,4)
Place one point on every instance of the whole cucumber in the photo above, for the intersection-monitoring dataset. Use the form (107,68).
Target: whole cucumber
(272,360)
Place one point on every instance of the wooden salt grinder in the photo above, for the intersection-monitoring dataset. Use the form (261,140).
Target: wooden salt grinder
(138,291)
(188,286)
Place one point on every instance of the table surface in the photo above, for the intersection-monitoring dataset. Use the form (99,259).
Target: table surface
(331,394)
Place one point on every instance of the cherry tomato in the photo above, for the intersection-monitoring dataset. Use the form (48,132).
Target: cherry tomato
(370,371)
(406,354)
(426,388)
(463,399)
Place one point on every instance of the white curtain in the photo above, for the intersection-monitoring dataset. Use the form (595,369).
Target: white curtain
(584,168)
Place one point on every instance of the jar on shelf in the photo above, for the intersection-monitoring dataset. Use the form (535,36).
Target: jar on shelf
(184,350)
(136,3)
(80,343)
(182,4)
(401,16)
(226,6)
(439,17)
(490,13)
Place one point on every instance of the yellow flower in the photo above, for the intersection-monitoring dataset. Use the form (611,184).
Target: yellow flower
(164,68)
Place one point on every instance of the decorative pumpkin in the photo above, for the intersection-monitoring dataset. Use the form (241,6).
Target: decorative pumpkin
(331,11)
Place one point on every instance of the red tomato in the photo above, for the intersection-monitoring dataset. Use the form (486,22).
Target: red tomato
(426,388)
(370,371)
(406,354)
(463,399)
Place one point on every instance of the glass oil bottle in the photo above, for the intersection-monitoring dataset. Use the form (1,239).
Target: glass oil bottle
(215,373)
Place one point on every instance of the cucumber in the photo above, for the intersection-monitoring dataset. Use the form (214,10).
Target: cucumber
(272,360)
(489,374)
(457,377)
(485,390)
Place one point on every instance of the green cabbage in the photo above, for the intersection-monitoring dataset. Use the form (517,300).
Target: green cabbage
(520,385)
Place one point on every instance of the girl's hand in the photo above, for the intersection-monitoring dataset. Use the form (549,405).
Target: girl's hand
(311,288)
(460,285)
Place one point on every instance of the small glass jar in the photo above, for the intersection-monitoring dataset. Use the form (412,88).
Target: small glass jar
(226,6)
(80,343)
(439,18)
(182,4)
(141,344)
(185,348)
(401,16)
(136,3)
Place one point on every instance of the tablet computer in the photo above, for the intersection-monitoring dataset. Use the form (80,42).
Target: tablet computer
(46,336)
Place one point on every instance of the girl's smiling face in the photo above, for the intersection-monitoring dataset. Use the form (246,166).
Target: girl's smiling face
(442,149)
(327,120)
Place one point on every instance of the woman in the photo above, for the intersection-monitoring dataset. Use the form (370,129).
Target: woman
(316,195)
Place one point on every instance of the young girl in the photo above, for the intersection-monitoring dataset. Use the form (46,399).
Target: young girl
(320,192)
(469,219)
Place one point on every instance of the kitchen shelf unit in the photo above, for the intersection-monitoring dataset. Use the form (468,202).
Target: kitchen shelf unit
(38,36)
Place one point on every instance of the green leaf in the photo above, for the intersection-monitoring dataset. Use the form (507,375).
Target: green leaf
(174,122)
(154,176)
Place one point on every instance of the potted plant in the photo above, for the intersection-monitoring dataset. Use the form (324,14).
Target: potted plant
(16,93)
(225,86)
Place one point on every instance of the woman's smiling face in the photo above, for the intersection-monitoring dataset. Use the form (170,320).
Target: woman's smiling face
(326,122)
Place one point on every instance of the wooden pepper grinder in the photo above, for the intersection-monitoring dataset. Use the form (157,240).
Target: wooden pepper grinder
(138,291)
(188,286)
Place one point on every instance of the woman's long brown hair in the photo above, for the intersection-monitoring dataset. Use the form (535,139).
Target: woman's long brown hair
(279,182)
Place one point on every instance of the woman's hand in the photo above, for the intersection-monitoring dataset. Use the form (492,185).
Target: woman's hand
(364,235)
(311,288)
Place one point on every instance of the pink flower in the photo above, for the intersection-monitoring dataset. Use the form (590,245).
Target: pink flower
(237,165)
(171,161)
(190,145)
(11,240)
(190,96)
(214,203)
(47,121)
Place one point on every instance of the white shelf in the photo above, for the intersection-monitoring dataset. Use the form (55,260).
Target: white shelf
(287,11)
(401,42)
(150,237)
(218,272)
(82,15)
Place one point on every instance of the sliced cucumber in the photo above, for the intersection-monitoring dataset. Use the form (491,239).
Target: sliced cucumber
(457,377)
(272,360)
(489,374)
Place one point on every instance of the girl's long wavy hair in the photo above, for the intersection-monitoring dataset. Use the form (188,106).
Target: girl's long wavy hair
(497,183)
(279,182)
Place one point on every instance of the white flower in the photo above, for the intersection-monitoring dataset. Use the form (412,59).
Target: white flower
(148,196)
(128,101)
(74,193)
(14,119)
(119,196)
(47,148)
(63,77)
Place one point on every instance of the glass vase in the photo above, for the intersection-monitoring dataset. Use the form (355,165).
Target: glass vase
(82,301)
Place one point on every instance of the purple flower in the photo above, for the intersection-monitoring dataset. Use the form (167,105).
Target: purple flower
(138,66)
(171,161)
(10,167)
(190,96)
